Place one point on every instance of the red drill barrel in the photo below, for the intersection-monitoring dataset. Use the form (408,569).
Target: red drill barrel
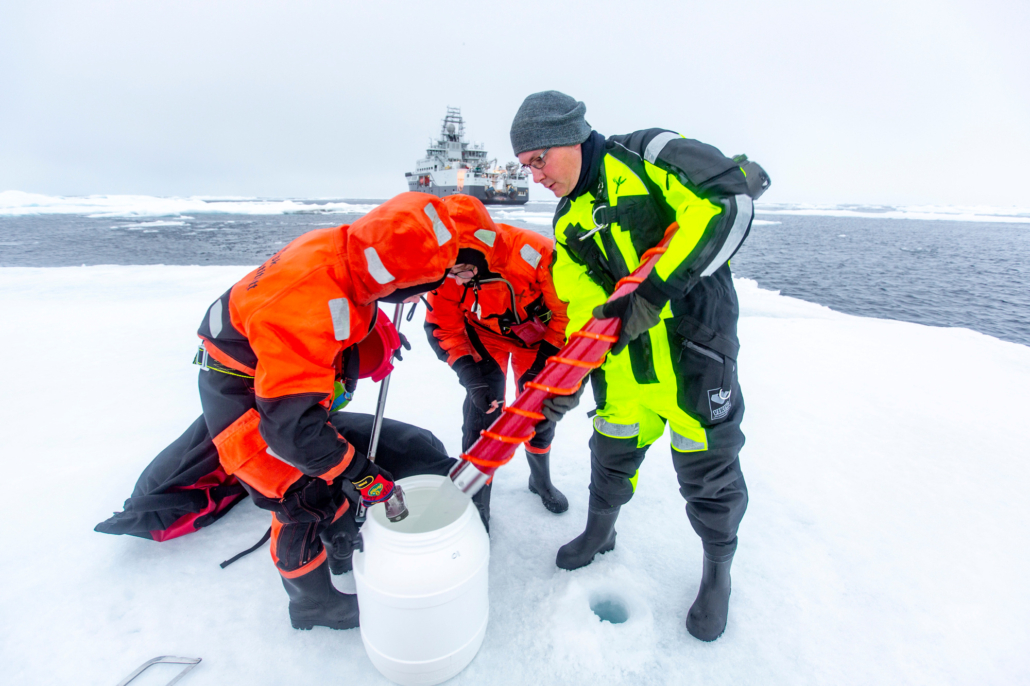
(562,375)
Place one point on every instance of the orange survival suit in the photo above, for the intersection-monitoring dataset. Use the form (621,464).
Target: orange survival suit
(277,338)
(509,311)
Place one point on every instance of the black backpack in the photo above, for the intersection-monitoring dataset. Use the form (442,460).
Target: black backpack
(183,489)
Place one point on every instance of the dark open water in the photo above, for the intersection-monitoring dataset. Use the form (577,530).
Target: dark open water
(942,273)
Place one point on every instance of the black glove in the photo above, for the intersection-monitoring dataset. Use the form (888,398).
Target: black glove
(351,368)
(638,315)
(555,408)
(543,352)
(483,380)
(404,343)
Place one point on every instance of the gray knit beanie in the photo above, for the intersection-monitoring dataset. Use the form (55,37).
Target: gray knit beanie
(548,119)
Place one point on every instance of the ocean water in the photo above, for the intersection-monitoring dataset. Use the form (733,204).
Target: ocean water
(937,272)
(967,267)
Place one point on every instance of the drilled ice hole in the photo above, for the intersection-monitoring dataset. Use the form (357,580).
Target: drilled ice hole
(609,609)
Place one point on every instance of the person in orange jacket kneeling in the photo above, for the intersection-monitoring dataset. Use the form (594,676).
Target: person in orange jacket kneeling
(498,304)
(274,347)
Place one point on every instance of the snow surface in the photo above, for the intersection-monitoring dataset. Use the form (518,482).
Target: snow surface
(885,542)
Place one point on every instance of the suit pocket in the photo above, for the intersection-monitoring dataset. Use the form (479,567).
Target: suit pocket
(707,373)
(244,453)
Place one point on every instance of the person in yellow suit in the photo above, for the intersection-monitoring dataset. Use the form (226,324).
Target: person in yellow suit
(675,360)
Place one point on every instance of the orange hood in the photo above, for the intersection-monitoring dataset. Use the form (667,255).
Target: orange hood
(476,228)
(408,240)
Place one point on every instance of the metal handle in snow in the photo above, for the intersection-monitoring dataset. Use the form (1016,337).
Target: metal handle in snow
(164,659)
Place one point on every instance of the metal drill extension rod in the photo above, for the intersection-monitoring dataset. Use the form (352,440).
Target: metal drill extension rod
(377,421)
(384,388)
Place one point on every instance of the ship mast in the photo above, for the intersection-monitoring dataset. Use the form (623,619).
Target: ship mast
(456,132)
(454,165)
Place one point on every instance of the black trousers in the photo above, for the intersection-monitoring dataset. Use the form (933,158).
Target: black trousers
(475,420)
(710,481)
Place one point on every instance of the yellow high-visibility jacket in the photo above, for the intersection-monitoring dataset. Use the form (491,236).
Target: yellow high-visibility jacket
(645,181)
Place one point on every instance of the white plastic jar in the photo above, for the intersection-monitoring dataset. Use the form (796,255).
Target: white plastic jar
(422,587)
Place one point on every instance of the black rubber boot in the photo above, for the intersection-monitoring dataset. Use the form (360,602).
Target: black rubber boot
(338,539)
(314,601)
(540,482)
(599,537)
(707,617)
(482,503)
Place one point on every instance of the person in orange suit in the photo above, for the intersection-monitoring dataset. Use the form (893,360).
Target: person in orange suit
(274,348)
(498,306)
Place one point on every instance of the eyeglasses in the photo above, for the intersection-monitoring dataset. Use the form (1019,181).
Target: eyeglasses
(463,271)
(537,162)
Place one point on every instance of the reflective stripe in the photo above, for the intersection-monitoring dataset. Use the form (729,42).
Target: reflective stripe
(606,428)
(530,255)
(278,456)
(657,144)
(686,445)
(214,318)
(487,237)
(706,352)
(339,309)
(745,208)
(442,234)
(376,268)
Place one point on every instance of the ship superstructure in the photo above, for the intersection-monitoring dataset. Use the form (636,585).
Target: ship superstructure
(453,165)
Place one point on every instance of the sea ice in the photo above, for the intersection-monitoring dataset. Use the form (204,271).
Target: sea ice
(19,203)
(884,541)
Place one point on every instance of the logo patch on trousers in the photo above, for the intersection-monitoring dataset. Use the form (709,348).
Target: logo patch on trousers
(719,403)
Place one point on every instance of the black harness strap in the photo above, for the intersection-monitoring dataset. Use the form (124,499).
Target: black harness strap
(203,360)
(248,551)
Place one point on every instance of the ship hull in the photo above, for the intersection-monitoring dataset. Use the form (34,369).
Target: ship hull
(453,166)
(476,191)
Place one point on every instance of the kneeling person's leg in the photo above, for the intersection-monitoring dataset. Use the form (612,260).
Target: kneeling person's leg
(307,508)
(298,520)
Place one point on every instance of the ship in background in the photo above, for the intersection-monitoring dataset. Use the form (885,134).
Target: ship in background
(453,165)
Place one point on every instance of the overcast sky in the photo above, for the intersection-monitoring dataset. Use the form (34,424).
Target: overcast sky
(877,101)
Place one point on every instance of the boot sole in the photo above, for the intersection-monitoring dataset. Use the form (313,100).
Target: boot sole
(706,640)
(338,626)
(550,505)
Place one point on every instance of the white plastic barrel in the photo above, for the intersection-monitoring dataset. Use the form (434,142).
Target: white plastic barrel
(422,587)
